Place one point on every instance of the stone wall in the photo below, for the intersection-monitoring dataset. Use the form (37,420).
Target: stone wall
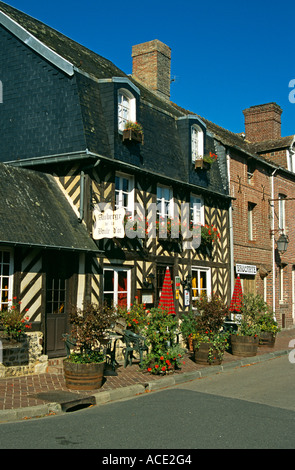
(23,358)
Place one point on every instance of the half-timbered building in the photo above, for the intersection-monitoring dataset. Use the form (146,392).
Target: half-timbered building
(62,119)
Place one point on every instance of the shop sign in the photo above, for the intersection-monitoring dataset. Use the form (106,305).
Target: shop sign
(108,223)
(246,269)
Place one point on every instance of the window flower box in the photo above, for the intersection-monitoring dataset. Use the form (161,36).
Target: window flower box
(205,162)
(133,132)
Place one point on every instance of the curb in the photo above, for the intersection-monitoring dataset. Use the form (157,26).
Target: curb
(122,393)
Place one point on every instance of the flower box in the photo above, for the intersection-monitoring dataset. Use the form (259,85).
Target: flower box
(202,165)
(132,135)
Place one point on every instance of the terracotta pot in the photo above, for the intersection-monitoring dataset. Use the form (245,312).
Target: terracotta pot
(202,355)
(83,376)
(245,346)
(267,338)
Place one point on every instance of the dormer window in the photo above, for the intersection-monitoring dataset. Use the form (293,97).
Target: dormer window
(197,143)
(126,108)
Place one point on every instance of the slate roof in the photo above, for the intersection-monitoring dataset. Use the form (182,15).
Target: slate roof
(34,212)
(156,156)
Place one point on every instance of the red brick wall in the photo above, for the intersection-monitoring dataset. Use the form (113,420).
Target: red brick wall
(259,252)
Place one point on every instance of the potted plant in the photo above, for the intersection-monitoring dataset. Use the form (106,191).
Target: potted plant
(245,340)
(13,322)
(84,368)
(204,162)
(188,328)
(133,131)
(210,341)
(268,329)
(160,331)
(210,347)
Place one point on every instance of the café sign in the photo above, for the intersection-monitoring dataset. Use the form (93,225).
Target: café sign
(246,269)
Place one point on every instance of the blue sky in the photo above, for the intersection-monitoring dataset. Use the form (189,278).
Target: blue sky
(226,55)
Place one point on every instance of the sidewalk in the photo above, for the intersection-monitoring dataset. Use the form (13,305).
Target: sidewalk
(46,394)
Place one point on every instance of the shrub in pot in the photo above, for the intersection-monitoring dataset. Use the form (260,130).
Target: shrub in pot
(160,331)
(210,341)
(84,367)
(244,341)
(188,328)
(268,329)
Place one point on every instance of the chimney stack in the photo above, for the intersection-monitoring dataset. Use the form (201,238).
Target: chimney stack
(263,122)
(151,66)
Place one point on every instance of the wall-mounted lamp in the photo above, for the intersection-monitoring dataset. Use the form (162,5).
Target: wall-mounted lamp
(282,243)
(148,282)
(187,284)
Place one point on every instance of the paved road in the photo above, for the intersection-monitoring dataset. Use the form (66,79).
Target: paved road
(250,407)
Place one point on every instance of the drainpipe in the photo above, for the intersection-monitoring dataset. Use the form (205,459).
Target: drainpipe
(273,246)
(81,209)
(231,231)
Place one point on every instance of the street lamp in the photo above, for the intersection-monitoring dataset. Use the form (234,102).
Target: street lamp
(282,243)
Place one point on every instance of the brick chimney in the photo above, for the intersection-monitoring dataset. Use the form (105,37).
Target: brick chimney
(151,66)
(263,122)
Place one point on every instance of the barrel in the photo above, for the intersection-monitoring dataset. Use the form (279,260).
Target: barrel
(202,355)
(245,346)
(267,338)
(83,376)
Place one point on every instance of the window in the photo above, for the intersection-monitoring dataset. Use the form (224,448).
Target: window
(250,173)
(197,143)
(250,220)
(201,282)
(126,108)
(164,201)
(196,210)
(6,270)
(282,212)
(117,287)
(56,295)
(124,192)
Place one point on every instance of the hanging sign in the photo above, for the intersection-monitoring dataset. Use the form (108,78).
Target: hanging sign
(108,224)
(246,269)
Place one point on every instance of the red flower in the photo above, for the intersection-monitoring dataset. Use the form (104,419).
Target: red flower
(156,366)
(162,358)
(163,368)
(149,369)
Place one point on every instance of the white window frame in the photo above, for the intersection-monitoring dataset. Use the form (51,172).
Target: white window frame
(250,209)
(197,216)
(119,193)
(200,269)
(197,143)
(4,305)
(116,291)
(282,213)
(165,206)
(126,108)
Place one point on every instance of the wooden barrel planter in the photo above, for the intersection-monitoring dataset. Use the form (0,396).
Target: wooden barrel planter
(245,346)
(83,376)
(202,355)
(267,338)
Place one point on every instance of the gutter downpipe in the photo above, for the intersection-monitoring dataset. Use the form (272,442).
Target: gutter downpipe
(273,245)
(231,231)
